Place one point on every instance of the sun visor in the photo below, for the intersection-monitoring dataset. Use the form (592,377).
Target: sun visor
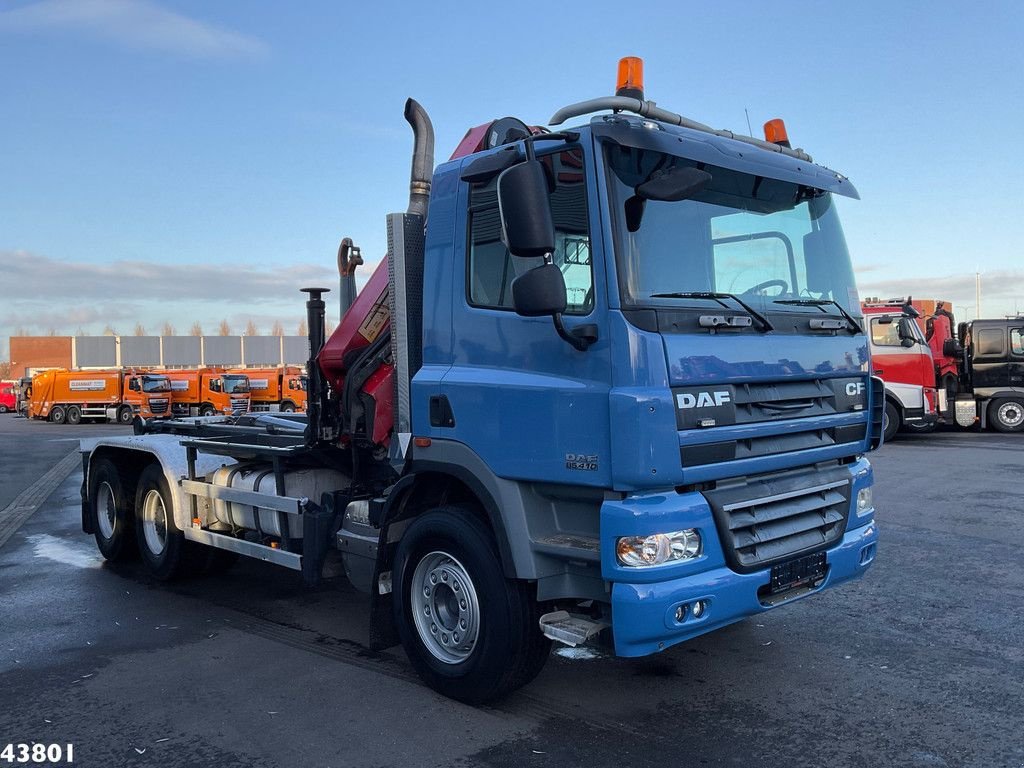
(718,151)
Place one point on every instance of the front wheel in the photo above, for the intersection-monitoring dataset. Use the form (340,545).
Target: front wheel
(3,408)
(207,410)
(470,633)
(891,422)
(287,408)
(1007,414)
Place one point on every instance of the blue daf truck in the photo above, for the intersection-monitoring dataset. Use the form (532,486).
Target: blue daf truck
(609,386)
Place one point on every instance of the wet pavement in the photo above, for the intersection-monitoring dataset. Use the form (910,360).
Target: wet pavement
(919,664)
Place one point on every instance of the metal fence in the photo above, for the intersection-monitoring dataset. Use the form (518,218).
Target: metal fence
(187,351)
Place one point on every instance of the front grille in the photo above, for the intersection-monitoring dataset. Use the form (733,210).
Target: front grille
(770,445)
(158,406)
(239,403)
(767,520)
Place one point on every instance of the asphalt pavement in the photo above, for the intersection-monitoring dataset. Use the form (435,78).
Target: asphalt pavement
(919,664)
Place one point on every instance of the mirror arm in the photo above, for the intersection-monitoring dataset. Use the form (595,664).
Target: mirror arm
(580,338)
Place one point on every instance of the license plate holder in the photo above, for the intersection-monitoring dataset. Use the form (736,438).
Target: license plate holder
(801,572)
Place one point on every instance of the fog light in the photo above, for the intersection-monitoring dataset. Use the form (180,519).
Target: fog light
(865,502)
(698,609)
(658,548)
(681,613)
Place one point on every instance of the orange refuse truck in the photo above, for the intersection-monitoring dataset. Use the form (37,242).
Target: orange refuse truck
(208,392)
(277,389)
(61,396)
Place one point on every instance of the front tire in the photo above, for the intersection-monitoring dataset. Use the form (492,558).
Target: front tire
(891,422)
(112,506)
(470,633)
(1007,414)
(3,408)
(287,407)
(207,410)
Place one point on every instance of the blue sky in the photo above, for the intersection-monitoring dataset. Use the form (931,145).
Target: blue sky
(184,161)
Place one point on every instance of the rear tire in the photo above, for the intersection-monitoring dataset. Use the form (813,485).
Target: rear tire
(73,415)
(58,414)
(112,506)
(163,548)
(891,422)
(125,414)
(1007,414)
(470,633)
(3,409)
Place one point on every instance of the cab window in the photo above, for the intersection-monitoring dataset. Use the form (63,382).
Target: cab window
(885,334)
(491,268)
(1016,344)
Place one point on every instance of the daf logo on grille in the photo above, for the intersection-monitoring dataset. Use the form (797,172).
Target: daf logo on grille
(703,399)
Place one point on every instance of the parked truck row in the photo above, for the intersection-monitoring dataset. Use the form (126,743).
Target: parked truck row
(609,385)
(936,371)
(60,395)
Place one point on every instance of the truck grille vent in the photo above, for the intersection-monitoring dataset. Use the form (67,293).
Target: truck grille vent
(158,406)
(786,521)
(239,403)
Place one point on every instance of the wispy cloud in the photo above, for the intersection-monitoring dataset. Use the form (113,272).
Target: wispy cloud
(134,23)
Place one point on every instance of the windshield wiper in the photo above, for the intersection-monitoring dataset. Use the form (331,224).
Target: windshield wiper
(854,325)
(765,325)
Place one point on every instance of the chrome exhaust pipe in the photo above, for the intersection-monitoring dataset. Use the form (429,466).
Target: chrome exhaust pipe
(422,157)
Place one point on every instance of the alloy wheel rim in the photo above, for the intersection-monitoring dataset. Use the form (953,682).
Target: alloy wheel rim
(154,522)
(445,607)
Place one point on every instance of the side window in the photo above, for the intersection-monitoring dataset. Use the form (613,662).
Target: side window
(491,268)
(990,343)
(1016,343)
(885,334)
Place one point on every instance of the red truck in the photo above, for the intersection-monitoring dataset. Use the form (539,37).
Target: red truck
(902,358)
(8,400)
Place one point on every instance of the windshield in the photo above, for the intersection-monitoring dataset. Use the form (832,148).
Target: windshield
(155,384)
(236,385)
(764,240)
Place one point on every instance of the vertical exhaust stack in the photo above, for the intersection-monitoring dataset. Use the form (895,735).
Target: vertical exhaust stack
(316,397)
(406,239)
(422,157)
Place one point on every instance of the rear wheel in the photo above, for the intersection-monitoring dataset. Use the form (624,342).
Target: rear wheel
(3,408)
(470,633)
(73,415)
(162,545)
(112,507)
(58,414)
(125,414)
(1007,414)
(891,421)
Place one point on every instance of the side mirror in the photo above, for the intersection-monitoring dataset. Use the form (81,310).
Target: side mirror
(950,348)
(906,332)
(539,292)
(527,228)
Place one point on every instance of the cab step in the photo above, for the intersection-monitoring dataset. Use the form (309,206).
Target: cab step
(569,629)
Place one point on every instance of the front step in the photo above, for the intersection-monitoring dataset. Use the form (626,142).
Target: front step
(571,630)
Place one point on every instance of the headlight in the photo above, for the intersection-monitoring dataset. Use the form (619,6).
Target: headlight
(865,503)
(658,548)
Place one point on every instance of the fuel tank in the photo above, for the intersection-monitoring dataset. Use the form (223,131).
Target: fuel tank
(259,478)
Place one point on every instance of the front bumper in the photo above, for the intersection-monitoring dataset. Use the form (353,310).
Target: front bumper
(644,601)
(643,615)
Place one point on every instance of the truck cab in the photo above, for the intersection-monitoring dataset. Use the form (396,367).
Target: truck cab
(992,373)
(8,400)
(148,394)
(902,358)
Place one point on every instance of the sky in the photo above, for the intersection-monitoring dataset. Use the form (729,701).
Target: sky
(191,161)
